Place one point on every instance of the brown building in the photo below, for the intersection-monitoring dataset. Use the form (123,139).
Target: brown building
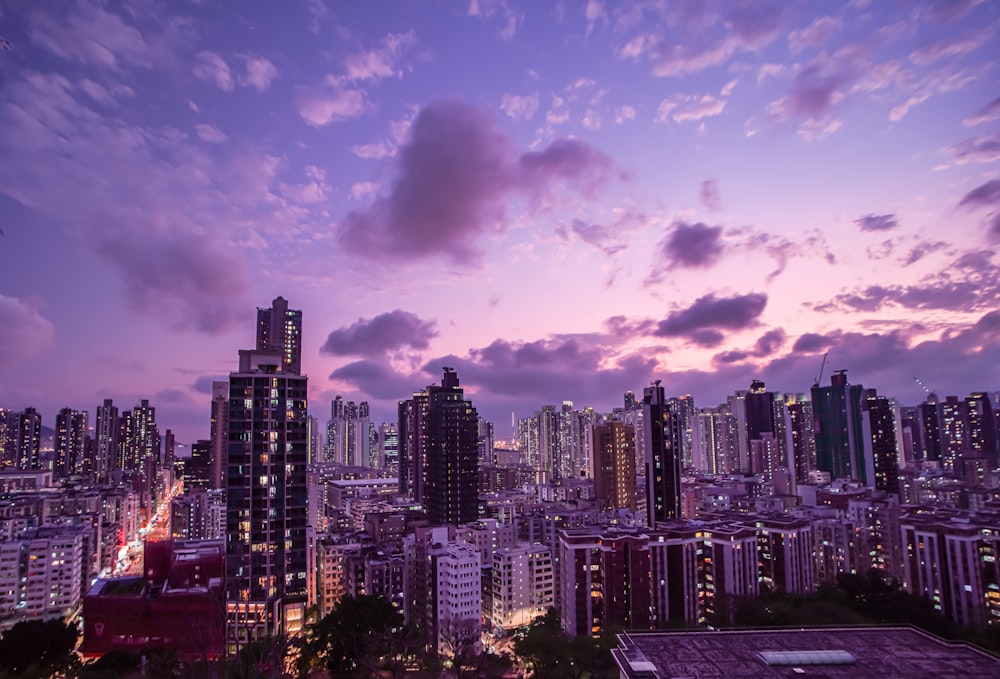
(614,465)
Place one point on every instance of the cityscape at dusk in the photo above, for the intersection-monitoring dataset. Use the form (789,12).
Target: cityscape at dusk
(499,339)
(561,201)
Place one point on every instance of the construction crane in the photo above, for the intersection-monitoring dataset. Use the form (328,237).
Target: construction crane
(819,375)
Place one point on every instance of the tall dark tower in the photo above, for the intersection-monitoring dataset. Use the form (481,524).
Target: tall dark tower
(70,443)
(881,456)
(267,452)
(438,431)
(280,329)
(839,436)
(105,442)
(663,463)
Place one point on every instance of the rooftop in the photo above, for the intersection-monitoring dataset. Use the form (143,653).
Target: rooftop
(822,653)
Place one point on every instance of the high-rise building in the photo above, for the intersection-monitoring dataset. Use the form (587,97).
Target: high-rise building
(27,439)
(280,329)
(105,441)
(70,443)
(983,433)
(663,464)
(350,434)
(219,440)
(839,436)
(388,437)
(266,520)
(614,465)
(880,449)
(438,464)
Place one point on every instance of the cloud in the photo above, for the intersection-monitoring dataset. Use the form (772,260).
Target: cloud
(986,114)
(260,72)
(813,35)
(766,345)
(623,113)
(360,190)
(519,108)
(873,222)
(985,194)
(211,68)
(381,62)
(377,150)
(376,379)
(694,246)
(24,333)
(210,133)
(594,12)
(709,195)
(683,108)
(203,384)
(985,149)
(952,47)
(969,284)
(709,313)
(325,106)
(193,281)
(453,176)
(950,10)
(376,336)
(86,33)
(500,12)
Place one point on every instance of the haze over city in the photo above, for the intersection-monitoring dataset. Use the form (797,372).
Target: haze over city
(561,201)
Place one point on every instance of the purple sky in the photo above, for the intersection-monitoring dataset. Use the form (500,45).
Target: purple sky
(560,200)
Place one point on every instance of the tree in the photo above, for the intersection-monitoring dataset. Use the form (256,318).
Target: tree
(359,638)
(37,649)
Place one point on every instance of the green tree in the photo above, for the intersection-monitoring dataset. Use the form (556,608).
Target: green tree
(361,637)
(37,649)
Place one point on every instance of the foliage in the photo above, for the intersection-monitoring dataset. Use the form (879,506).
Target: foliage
(548,652)
(37,649)
(855,599)
(359,638)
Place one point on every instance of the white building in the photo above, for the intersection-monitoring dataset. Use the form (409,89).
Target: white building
(523,585)
(41,574)
(458,602)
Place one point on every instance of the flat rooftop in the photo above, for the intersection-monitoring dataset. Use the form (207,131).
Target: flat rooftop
(805,653)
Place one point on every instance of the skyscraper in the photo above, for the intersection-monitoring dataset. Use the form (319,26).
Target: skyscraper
(280,329)
(881,457)
(839,436)
(438,463)
(219,441)
(105,441)
(614,465)
(71,439)
(27,439)
(266,562)
(663,465)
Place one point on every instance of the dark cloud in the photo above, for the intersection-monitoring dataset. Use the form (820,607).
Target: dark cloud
(766,345)
(190,280)
(810,342)
(706,337)
(994,231)
(709,195)
(877,222)
(693,245)
(384,333)
(986,194)
(171,396)
(377,380)
(203,384)
(711,313)
(453,176)
(923,249)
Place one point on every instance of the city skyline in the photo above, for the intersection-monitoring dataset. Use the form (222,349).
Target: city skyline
(559,203)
